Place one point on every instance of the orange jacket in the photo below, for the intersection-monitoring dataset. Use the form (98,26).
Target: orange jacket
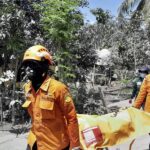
(144,95)
(54,120)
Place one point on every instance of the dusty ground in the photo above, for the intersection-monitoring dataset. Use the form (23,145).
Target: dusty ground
(9,141)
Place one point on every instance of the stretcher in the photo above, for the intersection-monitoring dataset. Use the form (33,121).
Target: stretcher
(108,130)
(112,129)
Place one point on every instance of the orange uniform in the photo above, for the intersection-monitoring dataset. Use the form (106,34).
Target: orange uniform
(54,120)
(144,94)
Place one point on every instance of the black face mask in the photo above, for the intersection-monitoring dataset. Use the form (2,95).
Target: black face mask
(35,71)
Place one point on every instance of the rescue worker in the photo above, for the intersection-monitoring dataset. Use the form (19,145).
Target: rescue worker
(142,72)
(143,98)
(50,105)
(143,95)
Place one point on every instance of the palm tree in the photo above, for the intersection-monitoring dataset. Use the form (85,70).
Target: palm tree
(139,6)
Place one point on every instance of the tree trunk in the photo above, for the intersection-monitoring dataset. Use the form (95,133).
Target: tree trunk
(14,89)
(1,108)
(103,100)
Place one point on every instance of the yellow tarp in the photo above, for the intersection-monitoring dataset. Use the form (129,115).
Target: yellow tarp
(112,129)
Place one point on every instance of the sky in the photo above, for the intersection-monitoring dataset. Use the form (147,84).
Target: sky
(110,5)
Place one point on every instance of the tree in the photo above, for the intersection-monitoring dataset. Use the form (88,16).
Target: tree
(19,29)
(60,20)
(101,16)
(19,25)
(140,7)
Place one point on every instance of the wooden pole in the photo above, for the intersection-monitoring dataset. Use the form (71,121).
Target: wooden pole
(14,81)
(1,108)
(14,89)
(103,100)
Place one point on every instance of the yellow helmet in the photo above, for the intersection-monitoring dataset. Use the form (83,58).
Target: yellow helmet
(39,53)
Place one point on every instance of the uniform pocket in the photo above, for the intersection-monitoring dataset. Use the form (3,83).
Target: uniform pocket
(47,109)
(47,105)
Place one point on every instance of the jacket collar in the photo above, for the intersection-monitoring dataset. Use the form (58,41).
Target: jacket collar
(45,84)
(28,87)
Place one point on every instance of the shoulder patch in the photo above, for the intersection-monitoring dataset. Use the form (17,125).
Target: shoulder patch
(68,98)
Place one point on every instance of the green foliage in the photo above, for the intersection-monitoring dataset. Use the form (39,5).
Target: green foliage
(63,59)
(101,16)
(60,19)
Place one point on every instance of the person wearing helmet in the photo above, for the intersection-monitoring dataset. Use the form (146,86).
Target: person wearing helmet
(49,103)
(137,82)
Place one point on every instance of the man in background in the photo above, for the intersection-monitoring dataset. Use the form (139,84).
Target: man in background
(137,82)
